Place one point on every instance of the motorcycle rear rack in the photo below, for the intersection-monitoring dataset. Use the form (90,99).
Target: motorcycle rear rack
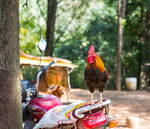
(80,112)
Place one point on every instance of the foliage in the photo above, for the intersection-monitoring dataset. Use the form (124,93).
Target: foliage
(32,27)
(29,73)
(99,31)
(136,45)
(82,23)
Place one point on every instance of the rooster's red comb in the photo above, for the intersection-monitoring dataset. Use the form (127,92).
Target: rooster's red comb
(91,51)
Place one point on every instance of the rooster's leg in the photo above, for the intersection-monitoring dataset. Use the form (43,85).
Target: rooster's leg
(92,102)
(101,98)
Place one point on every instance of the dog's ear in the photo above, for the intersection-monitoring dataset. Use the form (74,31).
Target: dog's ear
(61,87)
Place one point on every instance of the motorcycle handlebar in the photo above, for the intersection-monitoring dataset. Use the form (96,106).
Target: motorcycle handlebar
(46,67)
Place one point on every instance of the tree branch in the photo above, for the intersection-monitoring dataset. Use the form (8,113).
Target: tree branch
(123,8)
(41,11)
(66,27)
(59,1)
(26,4)
(62,33)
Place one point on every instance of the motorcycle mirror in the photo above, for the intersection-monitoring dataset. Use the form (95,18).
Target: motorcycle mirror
(42,45)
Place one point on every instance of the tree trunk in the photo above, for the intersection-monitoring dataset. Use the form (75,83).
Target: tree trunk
(140,48)
(121,12)
(10,89)
(51,16)
(147,37)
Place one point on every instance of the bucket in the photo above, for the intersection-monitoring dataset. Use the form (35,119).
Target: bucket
(131,83)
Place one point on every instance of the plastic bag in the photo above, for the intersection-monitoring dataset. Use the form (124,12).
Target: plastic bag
(59,115)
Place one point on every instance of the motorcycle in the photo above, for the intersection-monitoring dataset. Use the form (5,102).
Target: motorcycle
(77,115)
(28,92)
(46,111)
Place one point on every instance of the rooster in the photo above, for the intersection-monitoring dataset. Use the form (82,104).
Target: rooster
(95,74)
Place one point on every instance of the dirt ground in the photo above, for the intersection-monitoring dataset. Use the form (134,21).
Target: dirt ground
(124,104)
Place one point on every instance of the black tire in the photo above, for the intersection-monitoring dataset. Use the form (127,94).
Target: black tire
(28,120)
(28,124)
